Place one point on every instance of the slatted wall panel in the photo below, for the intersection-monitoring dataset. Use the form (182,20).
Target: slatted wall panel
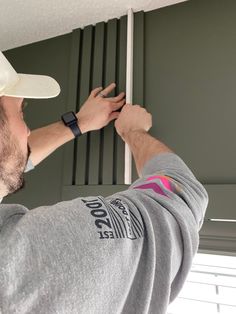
(98,58)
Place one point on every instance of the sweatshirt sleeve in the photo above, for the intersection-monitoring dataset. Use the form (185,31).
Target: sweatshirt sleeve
(172,204)
(168,175)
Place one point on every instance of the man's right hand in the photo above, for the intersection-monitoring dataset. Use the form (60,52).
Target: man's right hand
(132,118)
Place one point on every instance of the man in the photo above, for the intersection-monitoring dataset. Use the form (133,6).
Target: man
(126,253)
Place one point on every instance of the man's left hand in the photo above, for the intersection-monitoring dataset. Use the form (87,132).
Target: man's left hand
(99,110)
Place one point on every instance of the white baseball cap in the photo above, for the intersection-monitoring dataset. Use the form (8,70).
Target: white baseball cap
(25,85)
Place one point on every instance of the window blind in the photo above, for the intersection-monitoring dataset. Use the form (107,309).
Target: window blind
(209,288)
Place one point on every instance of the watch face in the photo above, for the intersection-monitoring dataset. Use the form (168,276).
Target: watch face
(69,117)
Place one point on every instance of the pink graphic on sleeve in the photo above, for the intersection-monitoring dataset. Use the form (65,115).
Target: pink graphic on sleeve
(154,186)
(163,179)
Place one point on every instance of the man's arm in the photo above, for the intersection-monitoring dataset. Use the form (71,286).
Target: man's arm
(95,113)
(133,125)
(143,147)
(134,132)
(45,140)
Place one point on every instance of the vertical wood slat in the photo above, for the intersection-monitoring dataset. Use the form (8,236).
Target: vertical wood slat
(110,76)
(84,91)
(121,81)
(71,103)
(129,90)
(138,91)
(138,70)
(102,61)
(97,77)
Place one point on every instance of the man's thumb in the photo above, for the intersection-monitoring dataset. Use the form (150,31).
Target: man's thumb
(113,115)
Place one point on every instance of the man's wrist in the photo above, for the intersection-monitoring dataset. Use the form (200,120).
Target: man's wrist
(82,123)
(127,136)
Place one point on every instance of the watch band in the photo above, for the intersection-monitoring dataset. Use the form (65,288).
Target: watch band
(70,120)
(75,129)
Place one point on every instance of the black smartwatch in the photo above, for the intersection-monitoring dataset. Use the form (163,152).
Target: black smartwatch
(70,120)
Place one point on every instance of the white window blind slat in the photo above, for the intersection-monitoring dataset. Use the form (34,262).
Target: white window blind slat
(214,270)
(215,300)
(209,288)
(223,281)
(213,282)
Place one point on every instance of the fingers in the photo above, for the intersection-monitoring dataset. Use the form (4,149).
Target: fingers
(108,89)
(95,91)
(117,98)
(113,116)
(117,105)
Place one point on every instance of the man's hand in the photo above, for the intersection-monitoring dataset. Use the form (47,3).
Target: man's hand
(133,118)
(133,125)
(98,111)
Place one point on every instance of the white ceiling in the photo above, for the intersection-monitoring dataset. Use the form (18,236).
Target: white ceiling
(26,21)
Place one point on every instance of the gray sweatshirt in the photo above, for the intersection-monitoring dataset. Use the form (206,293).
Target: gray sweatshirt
(128,253)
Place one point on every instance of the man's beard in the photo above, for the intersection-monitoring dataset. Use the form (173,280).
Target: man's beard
(12,165)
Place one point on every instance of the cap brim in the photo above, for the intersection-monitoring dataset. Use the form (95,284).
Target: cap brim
(34,86)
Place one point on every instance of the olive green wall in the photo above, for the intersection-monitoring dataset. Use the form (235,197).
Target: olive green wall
(190,80)
(184,74)
(189,86)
